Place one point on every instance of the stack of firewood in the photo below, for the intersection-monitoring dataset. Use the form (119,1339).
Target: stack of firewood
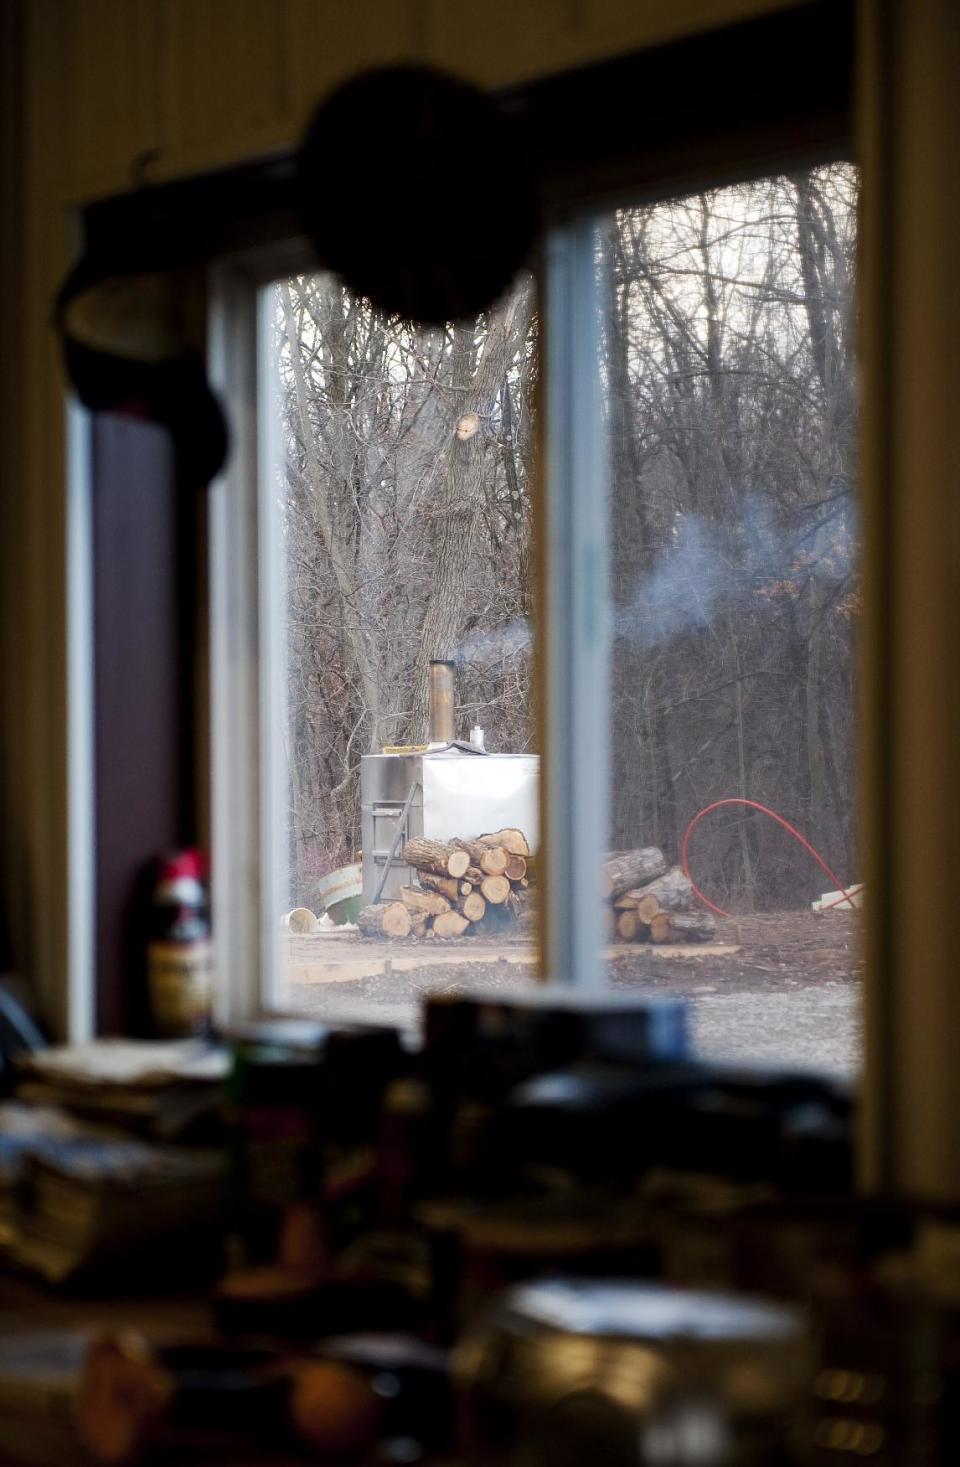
(464,886)
(460,887)
(650,902)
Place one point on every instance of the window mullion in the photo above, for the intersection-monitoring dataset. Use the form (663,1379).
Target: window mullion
(575,632)
(236,714)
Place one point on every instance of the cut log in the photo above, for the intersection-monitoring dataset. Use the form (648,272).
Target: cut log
(423,903)
(473,907)
(660,928)
(466,887)
(631,927)
(692,926)
(473,848)
(683,927)
(495,889)
(514,842)
(385,919)
(495,861)
(301,919)
(446,885)
(643,903)
(673,891)
(397,921)
(516,869)
(450,924)
(441,857)
(420,926)
(647,908)
(632,868)
(474,875)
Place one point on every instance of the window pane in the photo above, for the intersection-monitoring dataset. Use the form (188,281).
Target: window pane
(403,495)
(730,393)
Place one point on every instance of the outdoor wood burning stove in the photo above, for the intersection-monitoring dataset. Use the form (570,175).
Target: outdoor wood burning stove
(449,789)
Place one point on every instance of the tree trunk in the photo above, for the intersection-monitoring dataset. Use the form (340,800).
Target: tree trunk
(462,467)
(495,889)
(473,907)
(474,848)
(423,903)
(385,919)
(437,856)
(633,868)
(683,927)
(513,841)
(336,545)
(450,924)
(673,892)
(494,861)
(447,886)
(631,927)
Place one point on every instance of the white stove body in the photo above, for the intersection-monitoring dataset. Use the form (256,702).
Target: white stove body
(455,794)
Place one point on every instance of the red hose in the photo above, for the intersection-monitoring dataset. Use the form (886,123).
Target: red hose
(764,810)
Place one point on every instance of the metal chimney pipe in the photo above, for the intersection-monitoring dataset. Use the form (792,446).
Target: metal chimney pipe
(441,702)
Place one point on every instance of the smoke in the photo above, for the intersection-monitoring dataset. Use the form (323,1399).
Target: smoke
(496,644)
(750,564)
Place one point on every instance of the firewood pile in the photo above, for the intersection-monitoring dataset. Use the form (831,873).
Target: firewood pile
(481,885)
(649,902)
(463,887)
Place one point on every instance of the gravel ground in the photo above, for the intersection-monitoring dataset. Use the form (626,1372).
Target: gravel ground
(810,1026)
(788,993)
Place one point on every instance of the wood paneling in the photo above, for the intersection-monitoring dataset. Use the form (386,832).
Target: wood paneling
(37,561)
(224,71)
(157,88)
(911,709)
(330,41)
(114,90)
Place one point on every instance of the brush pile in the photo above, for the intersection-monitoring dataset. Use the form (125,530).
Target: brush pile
(649,902)
(463,887)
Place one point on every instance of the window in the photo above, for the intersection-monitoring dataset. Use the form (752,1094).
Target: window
(685,369)
(699,638)
(400,495)
(730,401)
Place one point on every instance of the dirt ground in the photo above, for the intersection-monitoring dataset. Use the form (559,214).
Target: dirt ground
(780,987)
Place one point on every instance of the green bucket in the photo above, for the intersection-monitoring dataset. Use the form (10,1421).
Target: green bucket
(341,894)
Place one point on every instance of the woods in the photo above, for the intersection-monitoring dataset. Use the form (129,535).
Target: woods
(730,396)
(406,525)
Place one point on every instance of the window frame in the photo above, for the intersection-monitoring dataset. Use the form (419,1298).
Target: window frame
(246,579)
(572,632)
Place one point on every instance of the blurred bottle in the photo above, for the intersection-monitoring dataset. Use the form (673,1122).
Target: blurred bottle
(179,949)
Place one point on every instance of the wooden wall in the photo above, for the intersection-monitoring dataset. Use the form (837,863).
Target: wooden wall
(191,83)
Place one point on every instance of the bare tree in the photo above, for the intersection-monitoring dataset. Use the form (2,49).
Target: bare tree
(405,513)
(731,406)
